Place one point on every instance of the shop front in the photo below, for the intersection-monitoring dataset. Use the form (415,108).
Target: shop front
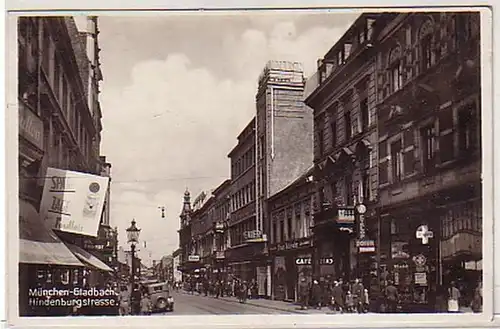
(249,262)
(335,239)
(292,261)
(432,245)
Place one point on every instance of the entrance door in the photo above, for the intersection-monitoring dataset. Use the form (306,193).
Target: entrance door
(291,277)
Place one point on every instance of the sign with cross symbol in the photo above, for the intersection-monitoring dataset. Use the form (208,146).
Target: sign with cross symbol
(424,234)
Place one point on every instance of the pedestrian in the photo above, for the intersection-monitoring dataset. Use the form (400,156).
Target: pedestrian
(477,299)
(366,301)
(316,294)
(124,302)
(135,300)
(349,301)
(338,297)
(391,297)
(357,292)
(243,292)
(146,304)
(303,293)
(453,298)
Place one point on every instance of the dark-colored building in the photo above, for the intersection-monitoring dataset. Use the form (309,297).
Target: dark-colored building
(291,244)
(345,140)
(429,127)
(59,126)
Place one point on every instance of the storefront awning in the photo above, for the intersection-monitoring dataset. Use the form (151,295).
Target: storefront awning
(88,258)
(38,244)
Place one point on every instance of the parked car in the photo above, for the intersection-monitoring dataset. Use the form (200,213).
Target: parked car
(161,298)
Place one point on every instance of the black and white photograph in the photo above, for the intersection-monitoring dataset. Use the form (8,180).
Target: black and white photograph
(265,162)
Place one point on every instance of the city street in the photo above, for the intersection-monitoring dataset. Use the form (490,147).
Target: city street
(199,304)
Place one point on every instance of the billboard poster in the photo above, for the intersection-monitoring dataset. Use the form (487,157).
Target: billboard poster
(73,201)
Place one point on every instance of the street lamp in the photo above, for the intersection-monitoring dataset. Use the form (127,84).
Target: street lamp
(133,239)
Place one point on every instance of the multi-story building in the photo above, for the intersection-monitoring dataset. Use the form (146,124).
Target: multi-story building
(222,199)
(345,140)
(246,246)
(58,127)
(185,237)
(429,126)
(290,245)
(177,273)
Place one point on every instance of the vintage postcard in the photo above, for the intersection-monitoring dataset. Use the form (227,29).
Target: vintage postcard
(324,165)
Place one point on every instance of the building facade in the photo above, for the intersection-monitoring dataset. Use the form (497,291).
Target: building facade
(291,245)
(246,250)
(345,140)
(185,238)
(222,200)
(429,107)
(58,128)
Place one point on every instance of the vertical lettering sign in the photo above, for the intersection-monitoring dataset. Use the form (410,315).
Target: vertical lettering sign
(30,126)
(73,202)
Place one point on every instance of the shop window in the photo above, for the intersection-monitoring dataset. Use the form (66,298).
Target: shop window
(428,148)
(446,135)
(468,128)
(396,161)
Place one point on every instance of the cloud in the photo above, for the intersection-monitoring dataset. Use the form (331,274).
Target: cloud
(173,123)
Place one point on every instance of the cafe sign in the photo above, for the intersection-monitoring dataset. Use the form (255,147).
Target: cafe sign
(30,126)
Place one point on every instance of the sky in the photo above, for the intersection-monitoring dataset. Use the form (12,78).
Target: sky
(177,91)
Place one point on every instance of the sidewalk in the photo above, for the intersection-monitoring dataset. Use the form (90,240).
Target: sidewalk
(277,305)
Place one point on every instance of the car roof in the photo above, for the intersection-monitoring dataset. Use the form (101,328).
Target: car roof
(157,284)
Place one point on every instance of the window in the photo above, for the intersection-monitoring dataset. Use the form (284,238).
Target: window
(333,192)
(290,233)
(365,187)
(365,114)
(57,77)
(383,163)
(446,135)
(396,161)
(427,134)
(427,54)
(333,131)
(275,233)
(468,128)
(282,230)
(370,23)
(409,151)
(362,35)
(348,191)
(320,142)
(463,27)
(348,125)
(397,76)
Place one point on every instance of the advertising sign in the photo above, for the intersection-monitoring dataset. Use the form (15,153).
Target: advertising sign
(73,201)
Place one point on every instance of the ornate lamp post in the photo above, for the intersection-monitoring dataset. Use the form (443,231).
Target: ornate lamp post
(133,239)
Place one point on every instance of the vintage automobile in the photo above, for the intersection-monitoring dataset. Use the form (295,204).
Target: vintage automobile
(160,297)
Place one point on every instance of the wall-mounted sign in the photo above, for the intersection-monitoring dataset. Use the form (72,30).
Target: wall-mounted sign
(30,126)
(365,246)
(193,258)
(424,234)
(303,261)
(73,201)
(421,278)
(346,216)
(326,261)
(419,260)
(293,244)
(252,235)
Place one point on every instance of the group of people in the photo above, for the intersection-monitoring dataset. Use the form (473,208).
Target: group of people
(137,302)
(219,288)
(344,297)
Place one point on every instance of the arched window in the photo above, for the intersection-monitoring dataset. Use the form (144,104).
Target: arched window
(426,41)
(395,66)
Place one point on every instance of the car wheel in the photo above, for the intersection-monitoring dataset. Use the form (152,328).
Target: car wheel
(161,304)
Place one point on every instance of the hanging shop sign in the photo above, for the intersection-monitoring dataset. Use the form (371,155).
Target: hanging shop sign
(424,234)
(346,216)
(421,278)
(303,261)
(193,258)
(365,246)
(30,126)
(73,201)
(293,244)
(419,260)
